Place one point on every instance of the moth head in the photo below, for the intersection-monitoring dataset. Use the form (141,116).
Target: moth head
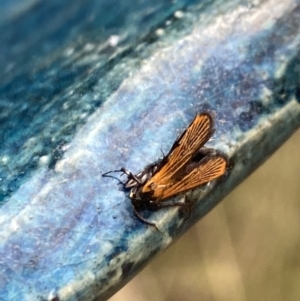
(140,199)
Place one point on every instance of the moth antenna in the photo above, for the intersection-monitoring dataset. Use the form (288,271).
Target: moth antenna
(163,153)
(111,171)
(122,170)
(106,175)
(125,171)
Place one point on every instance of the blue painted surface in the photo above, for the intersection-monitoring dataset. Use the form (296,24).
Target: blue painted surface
(62,57)
(68,232)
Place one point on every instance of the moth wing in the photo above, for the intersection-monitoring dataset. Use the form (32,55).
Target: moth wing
(206,170)
(190,141)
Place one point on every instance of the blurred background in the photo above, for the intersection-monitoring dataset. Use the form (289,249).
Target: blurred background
(247,248)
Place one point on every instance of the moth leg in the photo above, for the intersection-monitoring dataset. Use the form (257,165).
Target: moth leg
(189,205)
(108,172)
(142,219)
(177,204)
(106,175)
(129,174)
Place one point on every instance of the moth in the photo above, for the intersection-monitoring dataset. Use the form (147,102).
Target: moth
(187,165)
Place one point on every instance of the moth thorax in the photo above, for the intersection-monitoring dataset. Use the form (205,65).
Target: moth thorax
(149,187)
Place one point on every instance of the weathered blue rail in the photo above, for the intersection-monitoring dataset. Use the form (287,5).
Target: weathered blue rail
(69,234)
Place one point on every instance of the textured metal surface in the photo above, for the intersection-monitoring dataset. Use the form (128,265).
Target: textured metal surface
(69,233)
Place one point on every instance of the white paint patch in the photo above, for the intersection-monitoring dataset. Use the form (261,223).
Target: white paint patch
(69,51)
(113,40)
(4,160)
(89,47)
(179,14)
(160,32)
(44,160)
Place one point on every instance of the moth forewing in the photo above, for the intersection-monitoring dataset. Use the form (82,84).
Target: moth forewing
(183,149)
